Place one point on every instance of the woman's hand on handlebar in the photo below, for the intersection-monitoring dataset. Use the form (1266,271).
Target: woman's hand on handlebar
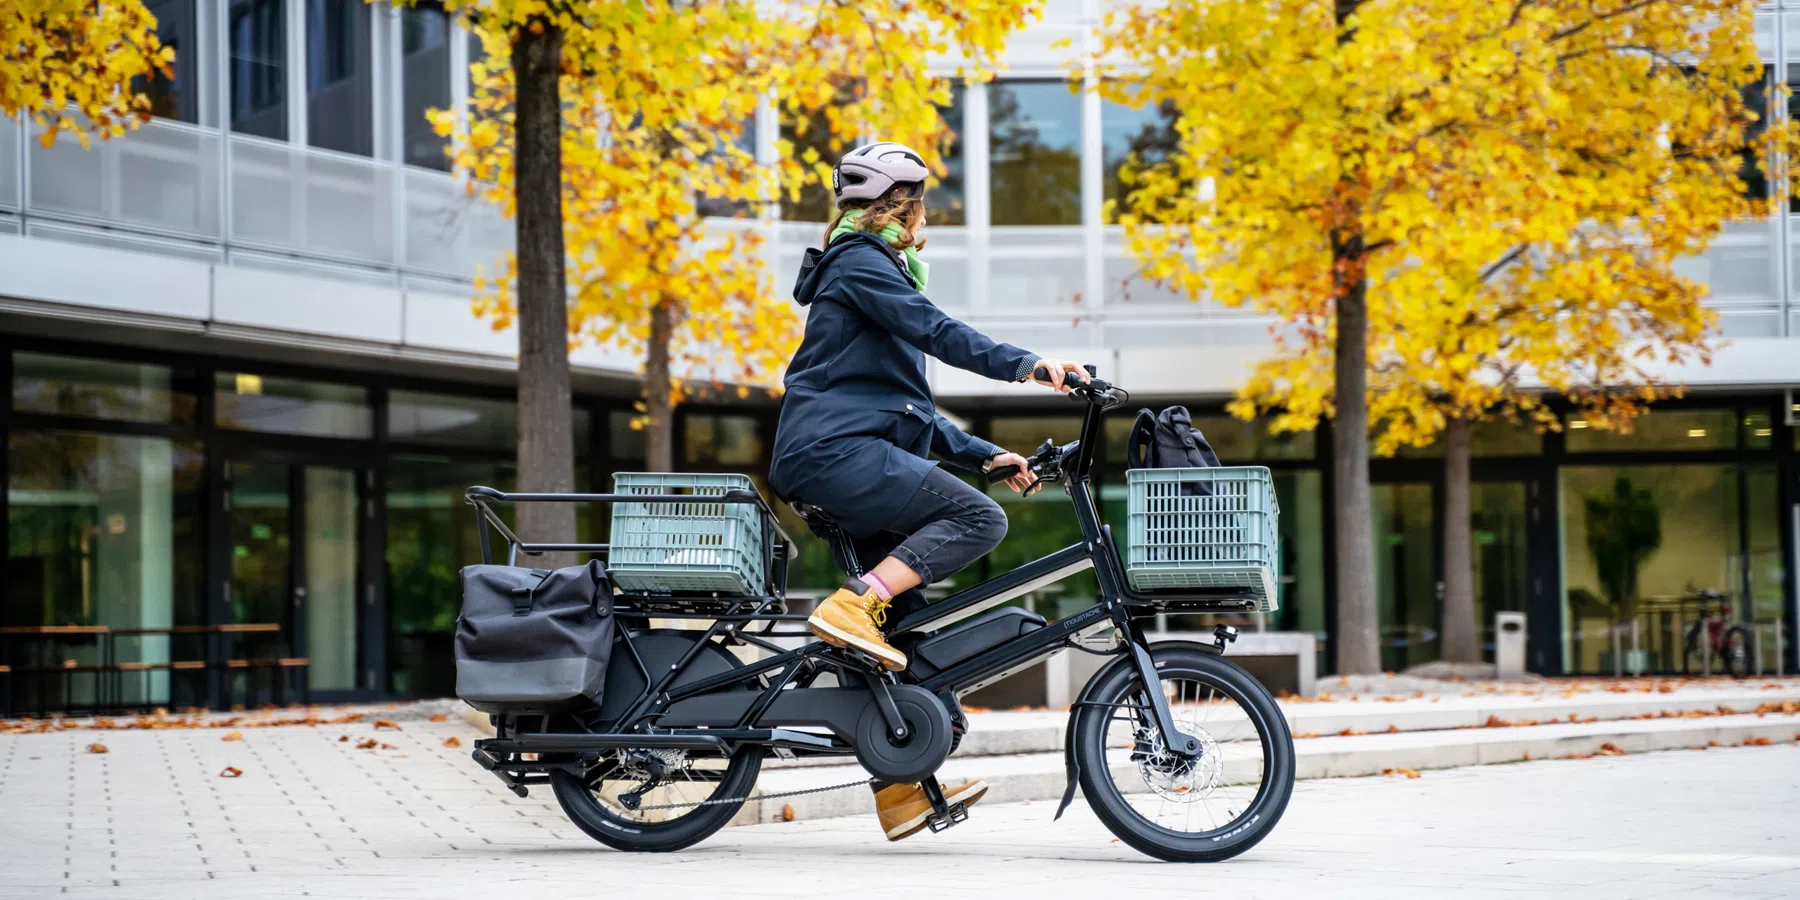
(1022,477)
(1060,375)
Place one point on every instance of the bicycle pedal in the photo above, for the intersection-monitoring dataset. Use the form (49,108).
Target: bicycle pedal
(955,815)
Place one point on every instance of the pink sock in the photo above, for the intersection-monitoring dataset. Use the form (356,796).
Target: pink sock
(881,589)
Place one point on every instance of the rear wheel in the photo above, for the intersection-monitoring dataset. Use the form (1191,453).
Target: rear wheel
(1736,651)
(1205,809)
(637,800)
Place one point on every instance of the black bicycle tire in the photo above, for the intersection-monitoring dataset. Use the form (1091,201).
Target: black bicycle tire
(1109,804)
(1690,649)
(601,824)
(1741,668)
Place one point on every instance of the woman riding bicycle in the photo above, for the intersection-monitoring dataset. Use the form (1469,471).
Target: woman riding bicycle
(859,424)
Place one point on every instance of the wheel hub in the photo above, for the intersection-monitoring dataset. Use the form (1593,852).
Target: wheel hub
(1178,777)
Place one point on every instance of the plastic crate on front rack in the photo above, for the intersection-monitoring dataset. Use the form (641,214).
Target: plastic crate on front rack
(674,546)
(1203,528)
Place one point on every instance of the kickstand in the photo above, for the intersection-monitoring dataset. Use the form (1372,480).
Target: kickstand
(944,814)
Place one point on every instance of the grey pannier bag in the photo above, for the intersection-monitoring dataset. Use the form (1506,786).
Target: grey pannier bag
(533,639)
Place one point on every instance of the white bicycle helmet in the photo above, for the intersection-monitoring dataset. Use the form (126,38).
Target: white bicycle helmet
(871,170)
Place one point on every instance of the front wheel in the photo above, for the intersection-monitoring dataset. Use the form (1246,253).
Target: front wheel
(1206,809)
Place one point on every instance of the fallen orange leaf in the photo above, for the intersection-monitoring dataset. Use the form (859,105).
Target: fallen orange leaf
(1528,756)
(231,772)
(234,736)
(441,717)
(97,748)
(367,744)
(386,723)
(386,746)
(343,738)
(1349,732)
(452,742)
(787,812)
(1610,749)
(1410,773)
(1393,729)
(1757,742)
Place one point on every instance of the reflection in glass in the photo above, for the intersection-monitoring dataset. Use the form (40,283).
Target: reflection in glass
(1667,429)
(625,439)
(104,530)
(174,98)
(723,440)
(425,85)
(248,402)
(420,418)
(430,537)
(1497,528)
(1145,136)
(94,388)
(1034,139)
(339,92)
(1637,539)
(330,555)
(259,68)
(944,196)
(1406,583)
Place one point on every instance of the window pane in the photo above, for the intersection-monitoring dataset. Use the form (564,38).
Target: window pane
(944,196)
(1755,166)
(1636,539)
(247,402)
(1759,431)
(178,97)
(625,440)
(815,203)
(105,530)
(339,92)
(452,421)
(1674,429)
(1147,134)
(743,137)
(259,68)
(1034,138)
(723,440)
(425,84)
(73,386)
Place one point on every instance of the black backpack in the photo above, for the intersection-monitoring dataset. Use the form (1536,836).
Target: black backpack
(1169,440)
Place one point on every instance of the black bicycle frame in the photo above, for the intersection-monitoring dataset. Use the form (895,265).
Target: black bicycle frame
(720,717)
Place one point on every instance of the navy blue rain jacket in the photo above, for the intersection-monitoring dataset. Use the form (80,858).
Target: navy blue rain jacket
(858,424)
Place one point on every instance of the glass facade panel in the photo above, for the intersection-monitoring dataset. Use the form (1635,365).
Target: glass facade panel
(419,418)
(430,537)
(1146,134)
(1639,540)
(944,196)
(248,402)
(1406,579)
(1237,442)
(178,97)
(724,440)
(425,85)
(1034,141)
(93,388)
(104,530)
(625,438)
(329,548)
(339,88)
(1671,429)
(258,30)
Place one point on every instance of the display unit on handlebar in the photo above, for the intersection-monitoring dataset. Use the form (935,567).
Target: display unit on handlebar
(686,720)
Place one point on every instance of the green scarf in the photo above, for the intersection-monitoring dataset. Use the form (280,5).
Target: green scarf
(915,267)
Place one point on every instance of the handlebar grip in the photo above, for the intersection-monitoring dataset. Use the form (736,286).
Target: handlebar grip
(1001,473)
(1042,373)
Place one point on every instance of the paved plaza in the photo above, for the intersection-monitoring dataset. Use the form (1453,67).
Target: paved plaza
(318,812)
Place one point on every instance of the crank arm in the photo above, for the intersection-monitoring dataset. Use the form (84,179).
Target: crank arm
(884,701)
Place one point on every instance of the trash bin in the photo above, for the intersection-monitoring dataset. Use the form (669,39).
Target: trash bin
(1509,645)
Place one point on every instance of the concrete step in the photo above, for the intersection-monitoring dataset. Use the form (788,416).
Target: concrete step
(1041,776)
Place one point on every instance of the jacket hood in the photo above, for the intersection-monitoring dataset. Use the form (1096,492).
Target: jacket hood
(813,265)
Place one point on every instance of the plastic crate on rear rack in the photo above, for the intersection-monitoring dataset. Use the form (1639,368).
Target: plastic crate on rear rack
(672,546)
(1203,528)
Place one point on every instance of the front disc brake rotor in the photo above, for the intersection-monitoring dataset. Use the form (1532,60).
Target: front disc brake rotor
(1175,777)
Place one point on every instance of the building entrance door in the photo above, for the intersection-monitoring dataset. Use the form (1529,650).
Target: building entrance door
(294,533)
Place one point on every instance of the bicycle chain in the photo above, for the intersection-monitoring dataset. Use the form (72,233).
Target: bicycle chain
(818,790)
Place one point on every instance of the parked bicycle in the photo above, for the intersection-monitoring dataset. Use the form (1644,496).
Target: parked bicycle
(1179,752)
(1713,639)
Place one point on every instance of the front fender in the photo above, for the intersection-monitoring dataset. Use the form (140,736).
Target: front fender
(1081,707)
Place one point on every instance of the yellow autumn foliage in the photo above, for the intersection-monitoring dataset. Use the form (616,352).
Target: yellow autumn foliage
(658,96)
(1511,182)
(69,65)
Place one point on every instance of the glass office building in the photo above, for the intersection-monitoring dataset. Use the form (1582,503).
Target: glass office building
(245,385)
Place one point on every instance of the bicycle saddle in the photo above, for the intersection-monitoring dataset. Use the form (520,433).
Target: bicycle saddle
(813,516)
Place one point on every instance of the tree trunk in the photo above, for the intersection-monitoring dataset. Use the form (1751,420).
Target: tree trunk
(546,444)
(1460,628)
(659,442)
(1358,634)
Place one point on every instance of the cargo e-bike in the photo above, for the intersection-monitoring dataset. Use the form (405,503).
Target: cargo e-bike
(1179,752)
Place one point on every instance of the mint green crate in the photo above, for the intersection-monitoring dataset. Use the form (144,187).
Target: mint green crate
(1229,538)
(677,546)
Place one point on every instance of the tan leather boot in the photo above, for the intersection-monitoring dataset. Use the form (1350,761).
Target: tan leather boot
(851,620)
(903,809)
